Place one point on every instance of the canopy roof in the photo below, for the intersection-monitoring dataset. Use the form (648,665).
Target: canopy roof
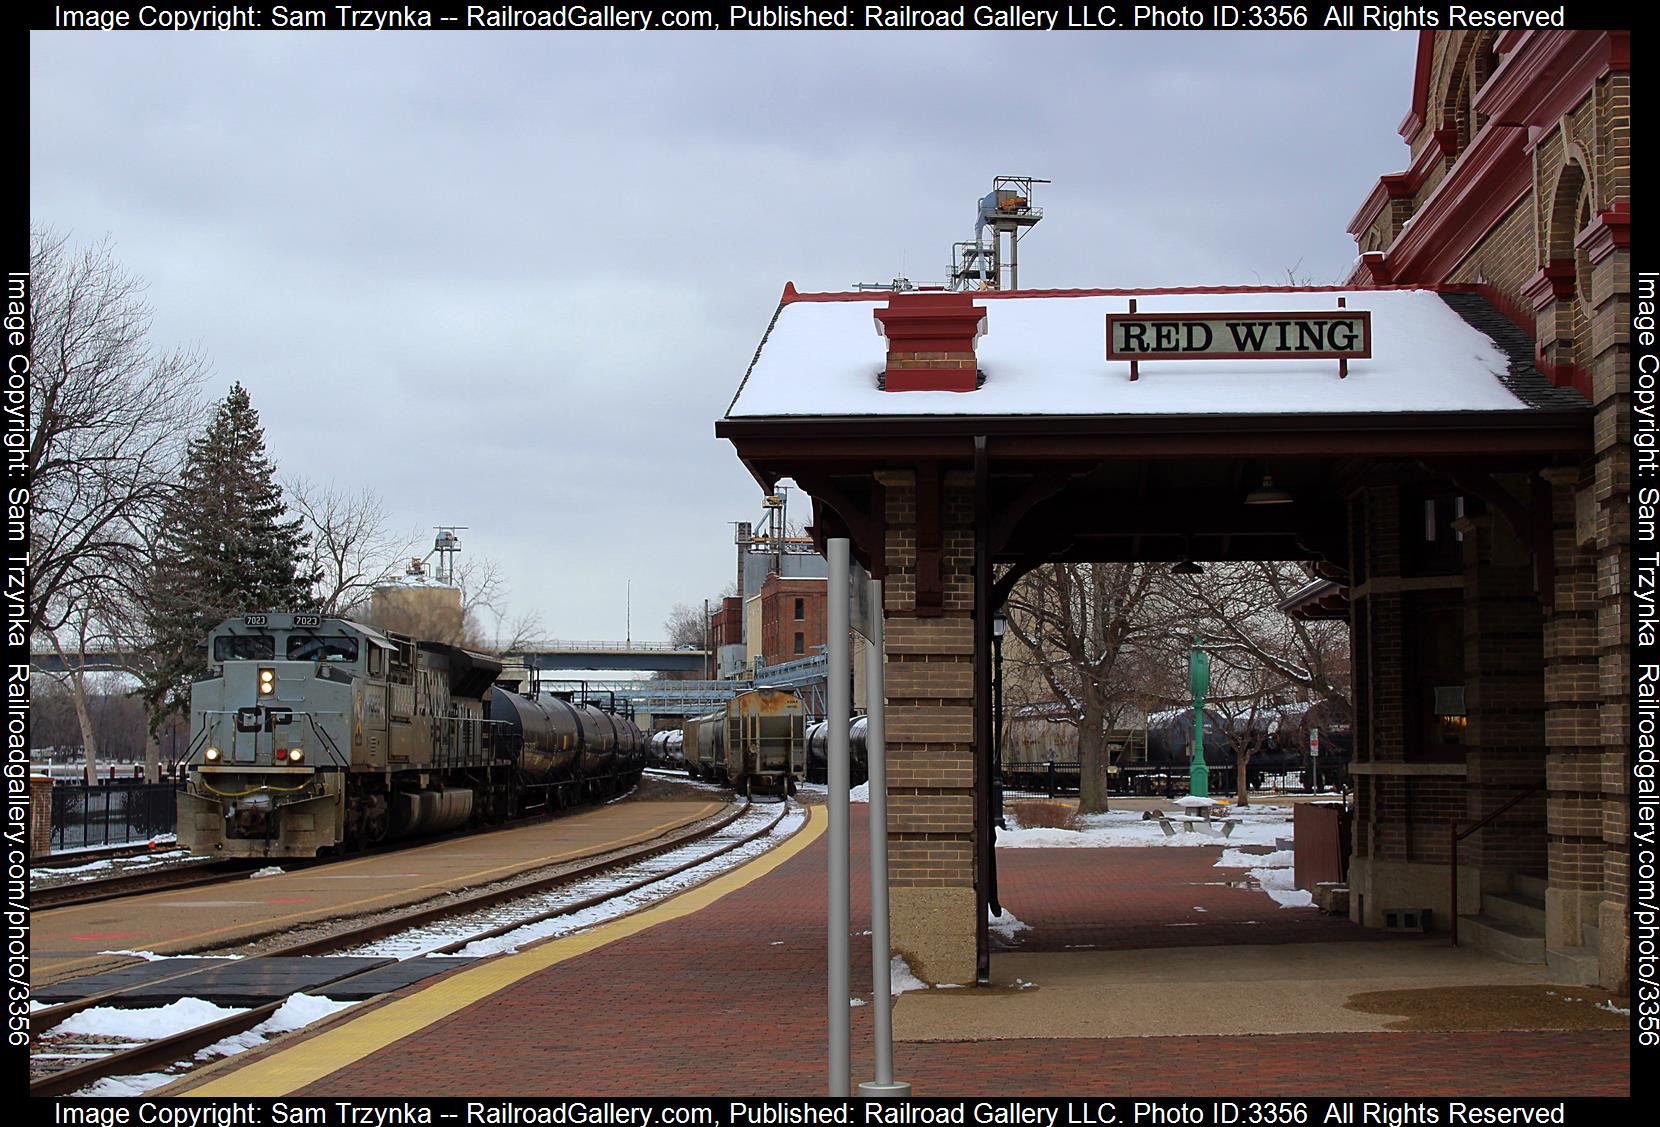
(1043,354)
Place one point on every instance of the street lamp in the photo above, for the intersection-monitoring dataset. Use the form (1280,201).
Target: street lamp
(998,624)
(1198,665)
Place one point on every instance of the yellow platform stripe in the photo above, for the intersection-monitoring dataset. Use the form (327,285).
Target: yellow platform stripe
(288,1070)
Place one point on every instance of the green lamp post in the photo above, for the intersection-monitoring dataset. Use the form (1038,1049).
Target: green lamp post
(1198,668)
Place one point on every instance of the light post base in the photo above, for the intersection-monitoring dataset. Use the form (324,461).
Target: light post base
(894,1090)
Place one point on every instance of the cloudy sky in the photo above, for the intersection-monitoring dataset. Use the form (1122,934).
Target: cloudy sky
(510,280)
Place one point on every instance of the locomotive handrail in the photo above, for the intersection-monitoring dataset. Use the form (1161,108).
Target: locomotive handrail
(1457,837)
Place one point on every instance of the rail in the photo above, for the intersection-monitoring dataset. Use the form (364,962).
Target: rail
(1457,837)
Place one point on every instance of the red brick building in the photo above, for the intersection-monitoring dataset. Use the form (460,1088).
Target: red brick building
(792,618)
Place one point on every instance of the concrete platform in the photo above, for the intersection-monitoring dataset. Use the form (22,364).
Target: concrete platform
(721,991)
(74,941)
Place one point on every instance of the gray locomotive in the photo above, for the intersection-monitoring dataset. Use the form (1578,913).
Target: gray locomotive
(318,734)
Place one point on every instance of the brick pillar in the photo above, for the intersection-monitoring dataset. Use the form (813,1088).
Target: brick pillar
(1606,247)
(930,736)
(1573,726)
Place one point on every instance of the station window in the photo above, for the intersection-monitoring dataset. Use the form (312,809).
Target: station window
(800,609)
(800,643)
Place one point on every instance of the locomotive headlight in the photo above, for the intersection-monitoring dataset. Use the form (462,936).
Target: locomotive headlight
(267,682)
(295,754)
(211,754)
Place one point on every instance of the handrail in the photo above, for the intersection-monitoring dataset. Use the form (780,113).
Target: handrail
(1458,837)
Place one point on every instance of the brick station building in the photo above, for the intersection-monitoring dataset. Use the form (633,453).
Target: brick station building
(1457,461)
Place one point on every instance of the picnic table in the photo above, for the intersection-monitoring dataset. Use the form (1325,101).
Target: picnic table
(1201,815)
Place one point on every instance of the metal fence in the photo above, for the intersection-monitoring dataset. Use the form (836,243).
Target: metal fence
(112,814)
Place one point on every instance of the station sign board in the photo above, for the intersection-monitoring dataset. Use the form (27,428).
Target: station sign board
(1341,334)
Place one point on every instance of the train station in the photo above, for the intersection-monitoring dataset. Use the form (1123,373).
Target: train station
(1441,443)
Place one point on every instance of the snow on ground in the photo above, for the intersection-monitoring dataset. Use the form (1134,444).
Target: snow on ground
(299,1011)
(1612,1008)
(424,939)
(1257,824)
(900,978)
(1006,925)
(144,1025)
(860,793)
(267,871)
(152,957)
(1239,859)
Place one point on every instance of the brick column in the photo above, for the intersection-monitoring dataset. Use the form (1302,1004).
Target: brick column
(1606,247)
(930,737)
(1573,727)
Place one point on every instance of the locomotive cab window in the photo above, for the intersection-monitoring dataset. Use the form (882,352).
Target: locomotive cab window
(244,647)
(327,648)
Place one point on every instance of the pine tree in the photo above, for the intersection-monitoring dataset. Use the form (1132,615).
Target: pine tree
(227,546)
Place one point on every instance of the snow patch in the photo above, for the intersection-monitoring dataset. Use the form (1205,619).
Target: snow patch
(1612,1008)
(860,793)
(1006,925)
(144,1025)
(900,978)
(267,871)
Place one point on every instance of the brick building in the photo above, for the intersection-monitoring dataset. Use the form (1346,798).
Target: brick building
(792,618)
(1456,463)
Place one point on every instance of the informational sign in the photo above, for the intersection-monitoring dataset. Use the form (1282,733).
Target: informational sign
(1314,741)
(1334,334)
(862,609)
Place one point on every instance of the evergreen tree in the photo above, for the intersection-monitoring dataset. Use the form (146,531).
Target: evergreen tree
(227,546)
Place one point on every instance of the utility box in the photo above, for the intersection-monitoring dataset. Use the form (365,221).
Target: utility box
(1321,849)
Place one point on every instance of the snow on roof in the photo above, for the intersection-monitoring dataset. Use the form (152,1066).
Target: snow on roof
(1044,354)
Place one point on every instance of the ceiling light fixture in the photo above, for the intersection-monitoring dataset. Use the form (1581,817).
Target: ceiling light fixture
(1267,494)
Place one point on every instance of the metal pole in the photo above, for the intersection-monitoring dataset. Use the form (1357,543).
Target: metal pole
(881,954)
(840,692)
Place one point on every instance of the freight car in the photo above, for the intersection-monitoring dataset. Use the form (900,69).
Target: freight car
(1040,747)
(818,752)
(317,734)
(756,743)
(664,748)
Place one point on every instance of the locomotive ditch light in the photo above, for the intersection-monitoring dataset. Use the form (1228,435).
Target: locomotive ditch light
(211,754)
(267,682)
(295,754)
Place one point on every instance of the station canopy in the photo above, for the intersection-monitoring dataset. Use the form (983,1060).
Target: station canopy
(1085,462)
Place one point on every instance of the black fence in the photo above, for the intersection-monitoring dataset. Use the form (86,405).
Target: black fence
(112,814)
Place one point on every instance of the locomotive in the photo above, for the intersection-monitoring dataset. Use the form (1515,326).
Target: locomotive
(757,742)
(317,734)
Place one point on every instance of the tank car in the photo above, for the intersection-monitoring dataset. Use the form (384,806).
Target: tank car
(818,749)
(316,733)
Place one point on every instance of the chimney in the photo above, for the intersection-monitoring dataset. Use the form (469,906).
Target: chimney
(931,341)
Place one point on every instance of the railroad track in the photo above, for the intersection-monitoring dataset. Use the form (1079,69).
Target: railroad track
(495,916)
(181,874)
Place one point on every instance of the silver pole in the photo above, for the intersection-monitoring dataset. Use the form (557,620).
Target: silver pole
(839,694)
(881,954)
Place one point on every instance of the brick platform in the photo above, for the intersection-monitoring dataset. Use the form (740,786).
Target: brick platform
(730,1000)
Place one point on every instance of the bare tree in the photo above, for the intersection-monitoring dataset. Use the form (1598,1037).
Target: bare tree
(108,420)
(1263,659)
(1081,628)
(352,550)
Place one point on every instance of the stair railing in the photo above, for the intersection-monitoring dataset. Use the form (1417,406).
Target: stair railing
(1458,836)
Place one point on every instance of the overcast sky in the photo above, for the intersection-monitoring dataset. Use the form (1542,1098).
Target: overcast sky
(510,280)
